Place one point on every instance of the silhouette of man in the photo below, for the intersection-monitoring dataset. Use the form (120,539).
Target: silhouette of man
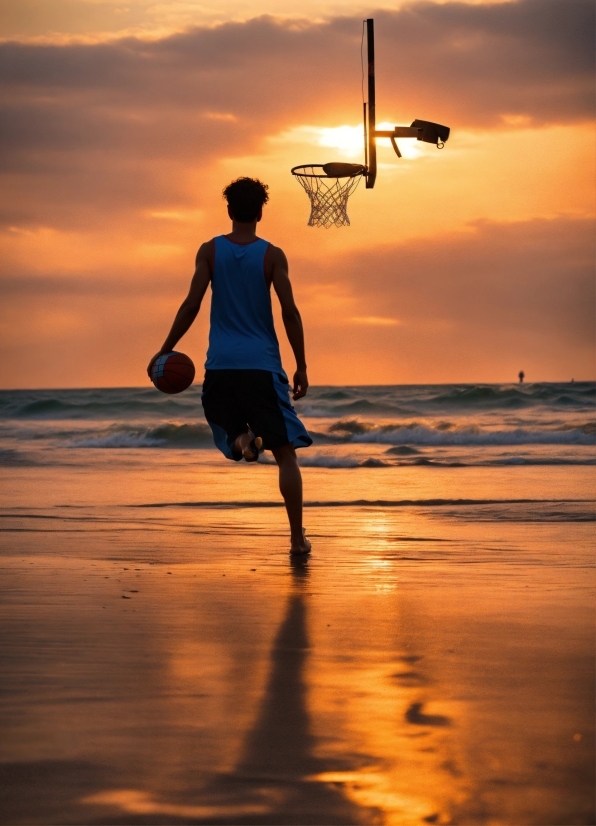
(246,392)
(521,376)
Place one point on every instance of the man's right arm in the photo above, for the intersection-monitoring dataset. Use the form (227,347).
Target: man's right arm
(291,319)
(191,305)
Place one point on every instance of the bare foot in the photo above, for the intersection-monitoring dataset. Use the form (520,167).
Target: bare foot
(243,445)
(302,546)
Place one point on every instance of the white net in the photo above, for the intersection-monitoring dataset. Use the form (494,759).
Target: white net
(328,193)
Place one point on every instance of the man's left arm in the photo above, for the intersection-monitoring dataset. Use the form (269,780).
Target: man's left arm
(291,319)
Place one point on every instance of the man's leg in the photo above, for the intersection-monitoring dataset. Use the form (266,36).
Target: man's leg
(290,485)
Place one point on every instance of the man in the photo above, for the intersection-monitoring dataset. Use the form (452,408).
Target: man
(245,392)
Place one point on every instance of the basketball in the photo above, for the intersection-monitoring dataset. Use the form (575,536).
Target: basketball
(172,372)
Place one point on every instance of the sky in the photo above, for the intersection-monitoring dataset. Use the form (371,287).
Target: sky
(123,121)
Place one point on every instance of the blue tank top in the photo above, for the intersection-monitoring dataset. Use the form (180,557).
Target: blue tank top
(242,335)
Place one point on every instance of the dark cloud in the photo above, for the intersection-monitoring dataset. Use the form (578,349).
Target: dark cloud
(472,65)
(532,57)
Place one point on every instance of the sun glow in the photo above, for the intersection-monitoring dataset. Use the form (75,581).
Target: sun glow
(408,147)
(348,139)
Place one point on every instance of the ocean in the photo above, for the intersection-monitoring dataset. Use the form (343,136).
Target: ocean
(352,427)
(432,661)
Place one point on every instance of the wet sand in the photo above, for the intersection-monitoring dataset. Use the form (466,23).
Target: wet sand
(167,663)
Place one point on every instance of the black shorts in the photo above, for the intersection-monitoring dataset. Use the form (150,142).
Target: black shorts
(236,401)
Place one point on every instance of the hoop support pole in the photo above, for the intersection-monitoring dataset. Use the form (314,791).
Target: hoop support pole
(365,137)
(372,146)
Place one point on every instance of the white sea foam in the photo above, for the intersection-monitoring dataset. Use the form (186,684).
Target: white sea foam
(473,436)
(438,426)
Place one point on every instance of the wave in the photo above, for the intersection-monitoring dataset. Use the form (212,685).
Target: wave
(360,406)
(406,441)
(16,458)
(511,396)
(352,462)
(510,461)
(463,399)
(105,403)
(403,438)
(538,461)
(165,435)
(115,440)
(406,438)
(366,503)
(445,434)
(322,402)
(333,462)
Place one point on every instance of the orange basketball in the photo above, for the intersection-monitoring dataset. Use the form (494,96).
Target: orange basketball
(172,372)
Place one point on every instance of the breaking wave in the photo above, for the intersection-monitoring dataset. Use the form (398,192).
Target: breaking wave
(165,435)
(430,426)
(450,435)
(406,440)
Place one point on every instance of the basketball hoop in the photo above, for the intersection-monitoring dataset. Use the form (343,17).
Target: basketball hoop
(328,187)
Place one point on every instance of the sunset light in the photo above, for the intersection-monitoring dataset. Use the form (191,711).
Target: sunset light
(349,140)
(155,140)
(297,412)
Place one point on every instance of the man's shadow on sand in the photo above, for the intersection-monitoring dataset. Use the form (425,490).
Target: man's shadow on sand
(276,772)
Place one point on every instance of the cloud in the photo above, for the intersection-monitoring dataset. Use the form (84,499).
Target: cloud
(469,65)
(477,305)
(111,126)
(113,155)
(374,320)
(468,303)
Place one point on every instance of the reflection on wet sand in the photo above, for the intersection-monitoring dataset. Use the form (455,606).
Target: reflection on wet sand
(278,764)
(383,759)
(415,670)
(278,778)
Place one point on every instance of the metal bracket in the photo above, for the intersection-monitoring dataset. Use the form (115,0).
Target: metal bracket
(398,132)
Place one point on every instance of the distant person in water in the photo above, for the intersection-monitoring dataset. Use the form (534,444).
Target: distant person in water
(522,375)
(245,391)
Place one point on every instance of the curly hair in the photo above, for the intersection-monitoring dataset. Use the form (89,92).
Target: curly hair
(246,197)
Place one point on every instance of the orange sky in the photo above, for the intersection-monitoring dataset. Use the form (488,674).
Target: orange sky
(124,122)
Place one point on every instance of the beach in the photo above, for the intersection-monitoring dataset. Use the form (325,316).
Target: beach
(432,661)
